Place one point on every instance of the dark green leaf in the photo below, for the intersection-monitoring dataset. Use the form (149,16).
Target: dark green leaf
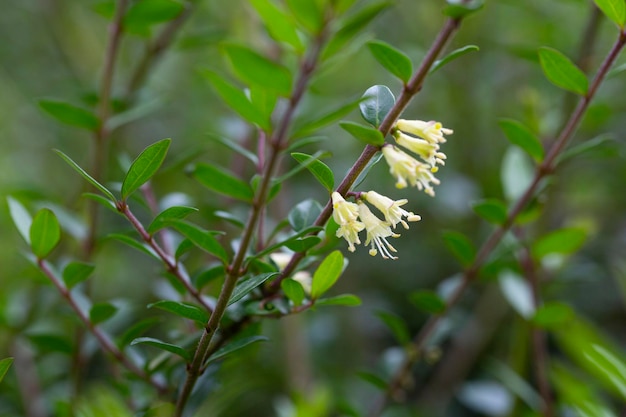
(46,342)
(245,287)
(394,60)
(209,275)
(520,135)
(552,314)
(149,12)
(45,233)
(5,364)
(373,379)
(223,182)
(106,203)
(311,127)
(293,290)
(286,242)
(327,274)
(319,169)
(348,300)
(303,244)
(278,23)
(257,70)
(365,134)
(163,218)
(144,167)
(70,114)
(457,53)
(21,218)
(614,10)
(202,238)
(307,13)
(460,246)
(302,166)
(564,241)
(562,72)
(135,331)
(101,312)
(377,101)
(492,210)
(428,301)
(185,310)
(140,246)
(177,350)
(76,272)
(236,345)
(397,326)
(86,176)
(304,214)
(367,169)
(459,11)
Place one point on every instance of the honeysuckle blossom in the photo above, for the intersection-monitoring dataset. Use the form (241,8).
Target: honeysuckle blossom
(346,216)
(431,131)
(391,209)
(377,233)
(428,151)
(408,170)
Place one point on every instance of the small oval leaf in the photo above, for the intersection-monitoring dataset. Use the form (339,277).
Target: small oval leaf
(327,274)
(460,246)
(45,233)
(520,135)
(428,301)
(202,238)
(101,312)
(245,287)
(492,210)
(562,72)
(293,290)
(316,167)
(144,167)
(185,310)
(457,53)
(365,134)
(394,61)
(171,213)
(76,272)
(86,176)
(223,182)
(564,241)
(69,114)
(159,344)
(377,101)
(614,10)
(348,300)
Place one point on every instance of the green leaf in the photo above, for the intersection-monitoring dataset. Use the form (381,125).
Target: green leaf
(300,167)
(149,12)
(159,344)
(140,246)
(69,114)
(245,287)
(223,182)
(365,134)
(171,213)
(457,53)
(231,144)
(348,300)
(303,244)
(319,169)
(21,218)
(392,59)
(397,326)
(108,204)
(278,23)
(202,238)
(377,101)
(257,70)
(76,272)
(101,312)
(614,10)
(86,176)
(492,210)
(562,72)
(327,274)
(5,364)
(46,342)
(564,241)
(144,167)
(236,345)
(135,331)
(185,310)
(460,246)
(552,315)
(459,11)
(293,290)
(304,214)
(310,127)
(237,100)
(209,275)
(596,143)
(292,239)
(307,13)
(376,159)
(520,135)
(373,379)
(45,233)
(428,301)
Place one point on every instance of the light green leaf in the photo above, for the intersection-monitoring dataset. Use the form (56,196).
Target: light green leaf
(171,213)
(144,167)
(86,176)
(69,114)
(457,53)
(304,214)
(460,246)
(552,314)
(327,274)
(21,218)
(319,169)
(348,300)
(564,241)
(231,144)
(460,11)
(202,238)
(248,285)
(101,312)
(562,72)
(159,344)
(278,23)
(377,101)
(45,233)
(392,59)
(223,182)
(614,10)
(76,272)
(492,210)
(257,70)
(235,345)
(182,309)
(365,134)
(520,135)
(307,13)
(5,364)
(293,290)
(149,12)
(428,301)
(140,246)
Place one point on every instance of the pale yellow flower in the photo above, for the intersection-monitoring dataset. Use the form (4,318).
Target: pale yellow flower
(408,170)
(431,131)
(428,151)
(377,233)
(391,209)
(346,216)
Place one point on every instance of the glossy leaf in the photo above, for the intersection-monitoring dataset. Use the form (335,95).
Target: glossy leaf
(562,72)
(460,246)
(223,182)
(304,214)
(235,345)
(182,309)
(293,290)
(86,176)
(614,10)
(144,167)
(278,23)
(159,344)
(69,114)
(45,233)
(245,287)
(377,101)
(428,301)
(171,213)
(21,218)
(202,238)
(348,300)
(366,134)
(520,135)
(320,170)
(5,364)
(327,274)
(392,59)
(457,53)
(76,272)
(397,326)
(257,70)
(149,12)
(564,241)
(101,312)
(492,210)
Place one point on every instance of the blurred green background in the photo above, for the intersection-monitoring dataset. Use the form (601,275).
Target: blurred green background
(55,48)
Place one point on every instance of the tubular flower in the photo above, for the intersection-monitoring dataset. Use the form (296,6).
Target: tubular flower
(391,209)
(346,215)
(426,150)
(408,170)
(431,131)
(377,233)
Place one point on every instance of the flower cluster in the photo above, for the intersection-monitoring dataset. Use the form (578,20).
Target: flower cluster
(420,138)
